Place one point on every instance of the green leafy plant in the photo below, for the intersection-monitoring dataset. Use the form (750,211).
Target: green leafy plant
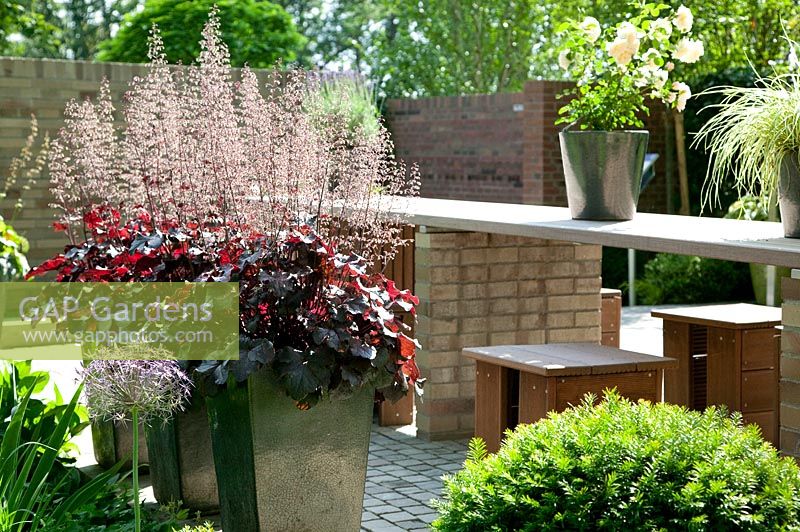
(625,466)
(17,379)
(24,169)
(205,527)
(348,99)
(617,67)
(30,497)
(685,279)
(751,208)
(753,130)
(258,33)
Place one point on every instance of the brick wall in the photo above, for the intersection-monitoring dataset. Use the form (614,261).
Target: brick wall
(499,147)
(479,289)
(43,87)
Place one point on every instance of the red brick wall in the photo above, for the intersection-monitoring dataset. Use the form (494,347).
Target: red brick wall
(500,147)
(468,147)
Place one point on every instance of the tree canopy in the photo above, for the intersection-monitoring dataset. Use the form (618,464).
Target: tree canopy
(258,33)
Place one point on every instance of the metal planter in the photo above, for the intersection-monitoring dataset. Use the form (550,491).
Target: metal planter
(603,172)
(789,195)
(310,466)
(181,462)
(113,441)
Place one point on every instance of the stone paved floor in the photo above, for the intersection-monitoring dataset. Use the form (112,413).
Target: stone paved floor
(403,476)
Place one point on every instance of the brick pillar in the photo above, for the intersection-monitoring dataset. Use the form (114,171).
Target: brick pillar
(790,367)
(479,289)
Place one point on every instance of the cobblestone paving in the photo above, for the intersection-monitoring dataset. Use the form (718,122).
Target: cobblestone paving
(403,476)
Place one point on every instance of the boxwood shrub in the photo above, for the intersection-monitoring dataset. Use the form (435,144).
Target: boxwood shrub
(625,466)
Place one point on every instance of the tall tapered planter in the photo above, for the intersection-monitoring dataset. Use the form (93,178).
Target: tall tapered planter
(181,462)
(112,442)
(789,195)
(603,172)
(279,468)
(232,442)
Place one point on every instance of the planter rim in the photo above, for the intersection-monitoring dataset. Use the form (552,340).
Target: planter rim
(566,131)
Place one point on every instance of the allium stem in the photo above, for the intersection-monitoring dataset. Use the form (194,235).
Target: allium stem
(137,515)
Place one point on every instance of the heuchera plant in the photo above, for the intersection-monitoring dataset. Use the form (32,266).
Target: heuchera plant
(212,179)
(321,321)
(616,68)
(318,318)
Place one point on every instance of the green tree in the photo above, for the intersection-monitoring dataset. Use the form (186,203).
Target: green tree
(456,47)
(25,27)
(258,33)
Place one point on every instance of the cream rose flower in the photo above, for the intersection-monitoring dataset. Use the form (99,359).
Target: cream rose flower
(628,32)
(563,59)
(660,29)
(650,57)
(660,77)
(680,94)
(683,19)
(622,51)
(591,27)
(688,50)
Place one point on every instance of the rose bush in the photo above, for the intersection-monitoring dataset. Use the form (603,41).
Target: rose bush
(616,69)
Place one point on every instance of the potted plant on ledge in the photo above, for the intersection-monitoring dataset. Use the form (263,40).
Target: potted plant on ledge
(617,69)
(756,135)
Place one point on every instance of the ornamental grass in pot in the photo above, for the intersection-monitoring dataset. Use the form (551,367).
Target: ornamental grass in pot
(617,69)
(216,179)
(755,138)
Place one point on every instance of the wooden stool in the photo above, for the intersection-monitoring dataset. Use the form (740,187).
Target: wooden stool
(727,355)
(521,383)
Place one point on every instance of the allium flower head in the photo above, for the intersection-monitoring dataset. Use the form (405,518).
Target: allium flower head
(155,389)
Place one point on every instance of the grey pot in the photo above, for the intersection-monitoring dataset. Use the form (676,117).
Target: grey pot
(310,465)
(789,195)
(113,441)
(181,461)
(603,172)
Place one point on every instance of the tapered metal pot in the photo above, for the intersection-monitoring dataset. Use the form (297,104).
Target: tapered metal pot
(113,441)
(789,195)
(603,172)
(181,461)
(310,465)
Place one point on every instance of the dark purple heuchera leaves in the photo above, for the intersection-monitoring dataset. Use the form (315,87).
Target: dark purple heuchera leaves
(321,321)
(318,318)
(155,389)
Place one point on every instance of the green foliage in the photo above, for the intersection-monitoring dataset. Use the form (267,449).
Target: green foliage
(346,99)
(749,136)
(626,466)
(205,527)
(17,379)
(441,47)
(699,110)
(750,208)
(258,33)
(683,279)
(32,497)
(110,511)
(13,247)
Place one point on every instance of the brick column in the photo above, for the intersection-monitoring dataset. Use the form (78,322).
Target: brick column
(479,289)
(790,367)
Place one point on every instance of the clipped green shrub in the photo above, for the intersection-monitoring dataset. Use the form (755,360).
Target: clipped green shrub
(625,466)
(684,279)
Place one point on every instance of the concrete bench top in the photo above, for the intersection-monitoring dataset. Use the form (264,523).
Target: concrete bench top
(728,316)
(737,240)
(558,360)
